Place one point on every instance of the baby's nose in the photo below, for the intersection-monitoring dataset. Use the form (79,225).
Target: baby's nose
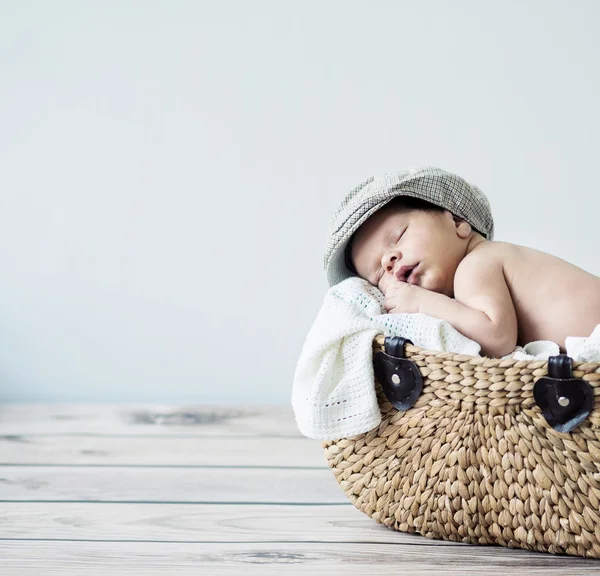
(389,262)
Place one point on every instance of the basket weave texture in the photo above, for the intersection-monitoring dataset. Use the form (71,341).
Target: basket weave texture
(474,460)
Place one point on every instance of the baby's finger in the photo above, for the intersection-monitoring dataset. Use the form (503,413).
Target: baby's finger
(396,288)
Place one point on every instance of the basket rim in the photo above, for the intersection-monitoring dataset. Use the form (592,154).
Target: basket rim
(485,361)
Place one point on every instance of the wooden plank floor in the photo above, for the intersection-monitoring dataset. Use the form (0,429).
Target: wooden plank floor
(200,490)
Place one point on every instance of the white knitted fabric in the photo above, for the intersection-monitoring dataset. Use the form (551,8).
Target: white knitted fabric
(579,348)
(333,394)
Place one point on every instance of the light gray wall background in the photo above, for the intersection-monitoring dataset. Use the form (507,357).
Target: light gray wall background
(168,170)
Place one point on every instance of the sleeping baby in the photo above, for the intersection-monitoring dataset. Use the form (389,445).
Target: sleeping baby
(424,237)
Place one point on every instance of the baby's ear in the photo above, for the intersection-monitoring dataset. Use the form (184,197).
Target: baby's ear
(463,228)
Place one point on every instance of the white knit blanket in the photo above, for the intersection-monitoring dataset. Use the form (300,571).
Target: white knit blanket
(333,394)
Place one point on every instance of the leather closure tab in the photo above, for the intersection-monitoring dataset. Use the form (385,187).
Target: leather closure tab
(564,401)
(400,378)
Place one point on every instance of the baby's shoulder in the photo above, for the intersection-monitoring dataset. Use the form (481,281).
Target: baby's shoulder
(488,260)
(492,252)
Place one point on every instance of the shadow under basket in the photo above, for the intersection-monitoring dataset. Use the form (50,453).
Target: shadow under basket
(479,450)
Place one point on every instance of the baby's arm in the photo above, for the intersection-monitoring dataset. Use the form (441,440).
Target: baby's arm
(483,309)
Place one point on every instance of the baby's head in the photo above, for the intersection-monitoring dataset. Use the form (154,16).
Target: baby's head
(411,240)
(420,222)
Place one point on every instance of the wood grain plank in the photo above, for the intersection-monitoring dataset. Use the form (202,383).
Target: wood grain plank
(50,483)
(163,450)
(201,523)
(147,420)
(25,558)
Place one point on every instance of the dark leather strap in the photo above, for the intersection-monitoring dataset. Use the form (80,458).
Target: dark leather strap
(564,401)
(400,378)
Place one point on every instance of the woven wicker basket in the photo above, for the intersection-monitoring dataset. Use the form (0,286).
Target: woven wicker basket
(489,451)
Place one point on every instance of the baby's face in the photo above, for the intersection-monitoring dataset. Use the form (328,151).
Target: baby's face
(407,245)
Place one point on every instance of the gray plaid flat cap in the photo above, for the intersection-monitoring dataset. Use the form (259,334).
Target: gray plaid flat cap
(431,184)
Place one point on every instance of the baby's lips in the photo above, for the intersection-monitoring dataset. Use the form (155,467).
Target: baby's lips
(404,272)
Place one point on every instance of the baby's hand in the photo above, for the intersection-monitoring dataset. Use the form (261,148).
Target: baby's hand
(401,297)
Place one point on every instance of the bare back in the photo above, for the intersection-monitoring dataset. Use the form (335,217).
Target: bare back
(553,298)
